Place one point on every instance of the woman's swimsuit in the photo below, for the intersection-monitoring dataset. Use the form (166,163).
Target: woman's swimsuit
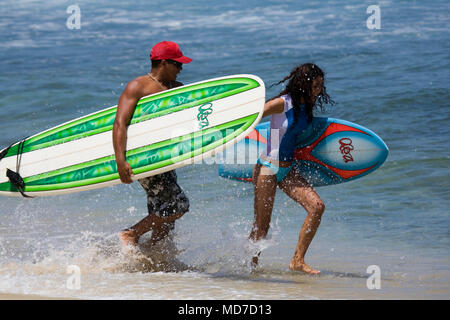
(283,135)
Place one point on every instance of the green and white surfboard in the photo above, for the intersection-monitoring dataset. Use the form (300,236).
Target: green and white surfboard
(168,130)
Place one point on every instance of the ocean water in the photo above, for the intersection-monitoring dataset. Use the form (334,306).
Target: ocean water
(392,80)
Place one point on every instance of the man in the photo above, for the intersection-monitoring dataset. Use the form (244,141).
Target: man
(166,201)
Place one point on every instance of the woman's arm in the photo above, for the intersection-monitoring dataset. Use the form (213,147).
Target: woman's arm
(273,106)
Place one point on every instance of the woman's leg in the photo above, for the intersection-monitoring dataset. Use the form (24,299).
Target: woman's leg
(265,186)
(297,188)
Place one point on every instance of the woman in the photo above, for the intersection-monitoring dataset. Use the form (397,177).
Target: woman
(292,112)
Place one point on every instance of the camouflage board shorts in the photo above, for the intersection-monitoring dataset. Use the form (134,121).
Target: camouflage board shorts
(164,195)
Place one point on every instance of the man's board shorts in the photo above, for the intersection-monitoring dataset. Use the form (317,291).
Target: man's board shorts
(164,196)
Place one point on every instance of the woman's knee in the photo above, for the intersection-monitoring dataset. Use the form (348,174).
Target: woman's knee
(317,209)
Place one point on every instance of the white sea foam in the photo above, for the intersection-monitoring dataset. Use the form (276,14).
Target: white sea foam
(24,43)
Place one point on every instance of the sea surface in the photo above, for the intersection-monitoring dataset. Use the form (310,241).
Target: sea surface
(393,80)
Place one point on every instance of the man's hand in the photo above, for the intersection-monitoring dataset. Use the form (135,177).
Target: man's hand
(125,172)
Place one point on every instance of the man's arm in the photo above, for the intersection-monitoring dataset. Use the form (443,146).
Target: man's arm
(125,109)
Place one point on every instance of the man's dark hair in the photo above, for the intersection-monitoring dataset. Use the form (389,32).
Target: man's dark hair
(155,63)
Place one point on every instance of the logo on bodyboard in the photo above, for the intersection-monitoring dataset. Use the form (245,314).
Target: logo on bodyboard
(203,112)
(345,148)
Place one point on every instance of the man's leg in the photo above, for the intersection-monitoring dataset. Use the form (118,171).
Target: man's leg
(160,226)
(166,202)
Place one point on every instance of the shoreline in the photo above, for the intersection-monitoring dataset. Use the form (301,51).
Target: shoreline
(22,296)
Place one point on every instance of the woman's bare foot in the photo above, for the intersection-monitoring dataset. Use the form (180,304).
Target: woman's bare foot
(301,266)
(129,238)
(255,259)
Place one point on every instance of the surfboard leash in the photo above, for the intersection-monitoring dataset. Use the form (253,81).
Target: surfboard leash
(14,177)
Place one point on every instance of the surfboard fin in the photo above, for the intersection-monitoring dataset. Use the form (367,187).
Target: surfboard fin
(17,181)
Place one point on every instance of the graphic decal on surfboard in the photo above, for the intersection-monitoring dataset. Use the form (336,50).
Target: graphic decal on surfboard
(330,151)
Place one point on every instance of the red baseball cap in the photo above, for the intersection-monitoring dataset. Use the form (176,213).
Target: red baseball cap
(168,50)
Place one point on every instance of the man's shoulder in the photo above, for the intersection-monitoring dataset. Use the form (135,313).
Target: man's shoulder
(140,81)
(136,86)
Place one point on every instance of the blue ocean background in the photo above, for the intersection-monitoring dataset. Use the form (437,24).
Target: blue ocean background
(393,80)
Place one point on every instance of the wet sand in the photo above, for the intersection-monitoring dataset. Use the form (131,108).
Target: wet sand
(15,296)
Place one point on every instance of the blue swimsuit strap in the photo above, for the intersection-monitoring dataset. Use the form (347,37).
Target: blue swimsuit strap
(280,172)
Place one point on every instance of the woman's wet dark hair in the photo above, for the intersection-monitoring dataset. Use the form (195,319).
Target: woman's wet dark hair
(300,86)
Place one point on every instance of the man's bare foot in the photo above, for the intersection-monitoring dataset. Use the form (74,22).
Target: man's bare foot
(301,266)
(129,238)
